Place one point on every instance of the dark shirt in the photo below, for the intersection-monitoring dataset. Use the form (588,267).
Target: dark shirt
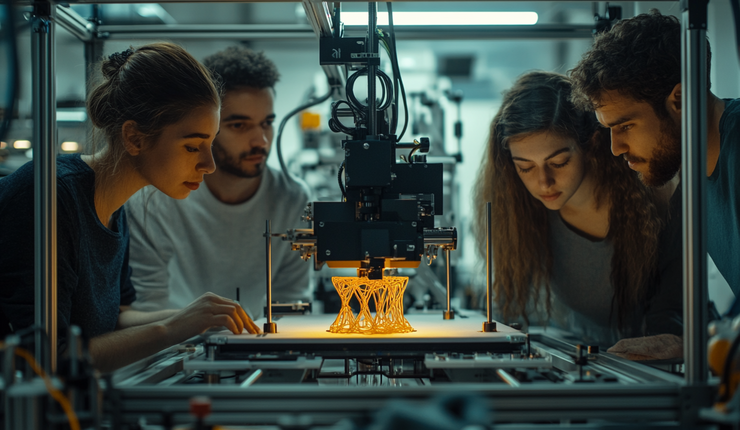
(93,277)
(723,199)
(664,304)
(584,294)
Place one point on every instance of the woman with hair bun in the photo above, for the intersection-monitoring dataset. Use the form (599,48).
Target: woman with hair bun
(158,111)
(578,242)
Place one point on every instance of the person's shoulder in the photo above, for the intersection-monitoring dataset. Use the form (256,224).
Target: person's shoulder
(731,115)
(733,105)
(75,180)
(291,188)
(70,165)
(74,176)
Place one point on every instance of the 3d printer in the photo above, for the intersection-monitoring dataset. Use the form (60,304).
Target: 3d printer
(386,217)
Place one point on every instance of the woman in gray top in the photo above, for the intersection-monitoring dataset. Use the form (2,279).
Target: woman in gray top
(579,242)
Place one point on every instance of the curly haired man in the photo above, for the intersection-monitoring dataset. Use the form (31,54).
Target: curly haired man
(213,240)
(631,78)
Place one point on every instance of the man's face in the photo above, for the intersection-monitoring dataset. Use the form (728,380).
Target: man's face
(243,144)
(651,144)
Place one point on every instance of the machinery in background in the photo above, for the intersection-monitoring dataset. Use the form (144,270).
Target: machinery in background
(72,398)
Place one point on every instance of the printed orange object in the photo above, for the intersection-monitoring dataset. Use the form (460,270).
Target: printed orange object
(387,294)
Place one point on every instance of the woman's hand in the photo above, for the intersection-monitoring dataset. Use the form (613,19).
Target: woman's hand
(209,310)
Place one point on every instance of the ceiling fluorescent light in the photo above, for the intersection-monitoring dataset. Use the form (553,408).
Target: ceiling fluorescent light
(22,144)
(445,18)
(71,116)
(70,146)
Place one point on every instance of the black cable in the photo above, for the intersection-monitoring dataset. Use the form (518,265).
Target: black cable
(397,72)
(339,179)
(736,16)
(405,110)
(12,91)
(416,148)
(394,66)
(335,124)
(386,86)
(285,121)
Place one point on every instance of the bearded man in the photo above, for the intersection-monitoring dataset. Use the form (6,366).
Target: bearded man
(631,78)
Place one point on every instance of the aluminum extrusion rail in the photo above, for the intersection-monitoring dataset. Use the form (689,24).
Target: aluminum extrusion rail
(325,406)
(302,31)
(208,31)
(74,23)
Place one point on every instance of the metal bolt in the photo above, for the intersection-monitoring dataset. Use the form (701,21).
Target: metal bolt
(328,252)
(321,224)
(413,224)
(366,145)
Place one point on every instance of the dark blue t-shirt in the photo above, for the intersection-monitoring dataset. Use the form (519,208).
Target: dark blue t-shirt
(723,199)
(93,277)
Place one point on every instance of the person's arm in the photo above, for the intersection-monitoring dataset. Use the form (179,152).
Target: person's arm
(150,251)
(131,318)
(122,347)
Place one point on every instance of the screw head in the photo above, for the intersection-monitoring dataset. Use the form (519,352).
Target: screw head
(366,145)
(413,224)
(321,224)
(328,252)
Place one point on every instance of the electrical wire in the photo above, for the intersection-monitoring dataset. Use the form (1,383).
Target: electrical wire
(285,121)
(74,423)
(397,71)
(12,91)
(394,104)
(736,16)
(358,109)
(339,179)
(385,85)
(416,148)
(334,123)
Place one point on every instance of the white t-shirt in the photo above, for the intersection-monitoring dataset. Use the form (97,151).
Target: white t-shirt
(181,249)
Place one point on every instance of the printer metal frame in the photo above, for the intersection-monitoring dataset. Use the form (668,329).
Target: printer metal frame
(678,401)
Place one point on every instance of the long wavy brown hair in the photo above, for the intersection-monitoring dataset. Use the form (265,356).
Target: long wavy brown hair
(522,257)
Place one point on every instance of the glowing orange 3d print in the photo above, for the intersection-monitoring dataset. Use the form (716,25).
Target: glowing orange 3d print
(387,294)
